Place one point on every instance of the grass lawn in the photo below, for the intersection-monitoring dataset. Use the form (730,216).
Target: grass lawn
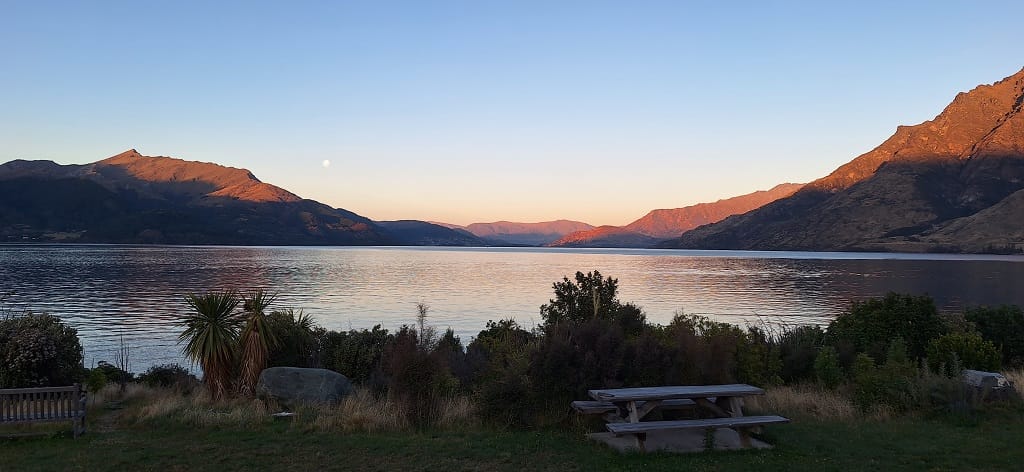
(992,443)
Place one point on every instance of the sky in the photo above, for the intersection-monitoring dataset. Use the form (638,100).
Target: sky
(478,111)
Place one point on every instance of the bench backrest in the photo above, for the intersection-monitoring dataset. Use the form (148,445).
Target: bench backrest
(45,403)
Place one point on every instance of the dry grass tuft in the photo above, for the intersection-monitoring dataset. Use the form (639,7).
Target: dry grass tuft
(808,400)
(361,411)
(1017,377)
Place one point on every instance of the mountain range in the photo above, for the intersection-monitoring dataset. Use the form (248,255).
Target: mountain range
(659,225)
(952,184)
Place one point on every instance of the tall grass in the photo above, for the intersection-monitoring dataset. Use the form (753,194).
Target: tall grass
(361,411)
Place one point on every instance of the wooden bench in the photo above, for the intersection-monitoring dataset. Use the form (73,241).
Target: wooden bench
(742,425)
(45,404)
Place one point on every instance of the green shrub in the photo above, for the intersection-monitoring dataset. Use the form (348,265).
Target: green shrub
(498,359)
(357,354)
(297,340)
(417,375)
(113,373)
(826,368)
(1004,326)
(757,359)
(871,326)
(892,385)
(955,351)
(589,297)
(95,381)
(798,350)
(38,350)
(168,376)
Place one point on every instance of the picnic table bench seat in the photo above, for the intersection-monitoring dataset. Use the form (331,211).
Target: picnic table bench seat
(742,424)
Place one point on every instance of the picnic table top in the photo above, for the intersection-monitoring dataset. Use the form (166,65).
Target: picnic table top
(674,391)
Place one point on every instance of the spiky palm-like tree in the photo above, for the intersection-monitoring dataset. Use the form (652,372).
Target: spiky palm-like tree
(257,338)
(211,337)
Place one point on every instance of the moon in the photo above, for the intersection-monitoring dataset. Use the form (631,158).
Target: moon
(326,163)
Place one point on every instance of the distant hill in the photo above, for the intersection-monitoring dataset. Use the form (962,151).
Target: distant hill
(659,225)
(950,184)
(529,234)
(604,237)
(421,233)
(131,198)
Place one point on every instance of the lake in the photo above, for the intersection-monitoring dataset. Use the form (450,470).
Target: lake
(108,292)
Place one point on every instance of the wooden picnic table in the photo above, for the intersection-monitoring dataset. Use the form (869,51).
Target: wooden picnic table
(724,402)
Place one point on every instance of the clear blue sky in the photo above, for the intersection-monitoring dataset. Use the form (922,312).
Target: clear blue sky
(481,110)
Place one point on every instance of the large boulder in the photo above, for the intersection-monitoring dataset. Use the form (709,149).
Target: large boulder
(988,385)
(294,385)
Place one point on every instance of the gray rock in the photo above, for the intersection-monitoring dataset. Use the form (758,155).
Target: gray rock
(294,385)
(989,385)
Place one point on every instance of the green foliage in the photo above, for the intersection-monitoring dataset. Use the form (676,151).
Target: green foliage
(418,375)
(113,373)
(211,337)
(891,385)
(38,350)
(357,353)
(573,358)
(799,349)
(256,338)
(1004,326)
(498,358)
(955,351)
(872,325)
(590,297)
(95,381)
(297,337)
(758,360)
(168,375)
(826,367)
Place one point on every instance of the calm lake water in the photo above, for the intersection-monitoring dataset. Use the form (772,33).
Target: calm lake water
(138,291)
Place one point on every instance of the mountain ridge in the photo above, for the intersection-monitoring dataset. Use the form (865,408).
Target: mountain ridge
(905,194)
(662,224)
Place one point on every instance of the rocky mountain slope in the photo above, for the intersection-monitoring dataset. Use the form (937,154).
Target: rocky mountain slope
(131,198)
(658,225)
(605,237)
(948,184)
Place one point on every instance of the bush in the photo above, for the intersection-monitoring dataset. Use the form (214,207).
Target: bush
(892,385)
(498,359)
(826,367)
(955,351)
(355,354)
(871,326)
(799,349)
(169,376)
(591,297)
(1004,326)
(297,340)
(38,350)
(417,375)
(95,381)
(112,373)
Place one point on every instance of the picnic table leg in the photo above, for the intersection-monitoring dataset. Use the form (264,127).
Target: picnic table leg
(736,406)
(634,417)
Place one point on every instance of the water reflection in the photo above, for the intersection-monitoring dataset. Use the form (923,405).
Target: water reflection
(138,292)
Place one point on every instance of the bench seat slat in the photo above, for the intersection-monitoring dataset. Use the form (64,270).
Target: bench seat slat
(649,426)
